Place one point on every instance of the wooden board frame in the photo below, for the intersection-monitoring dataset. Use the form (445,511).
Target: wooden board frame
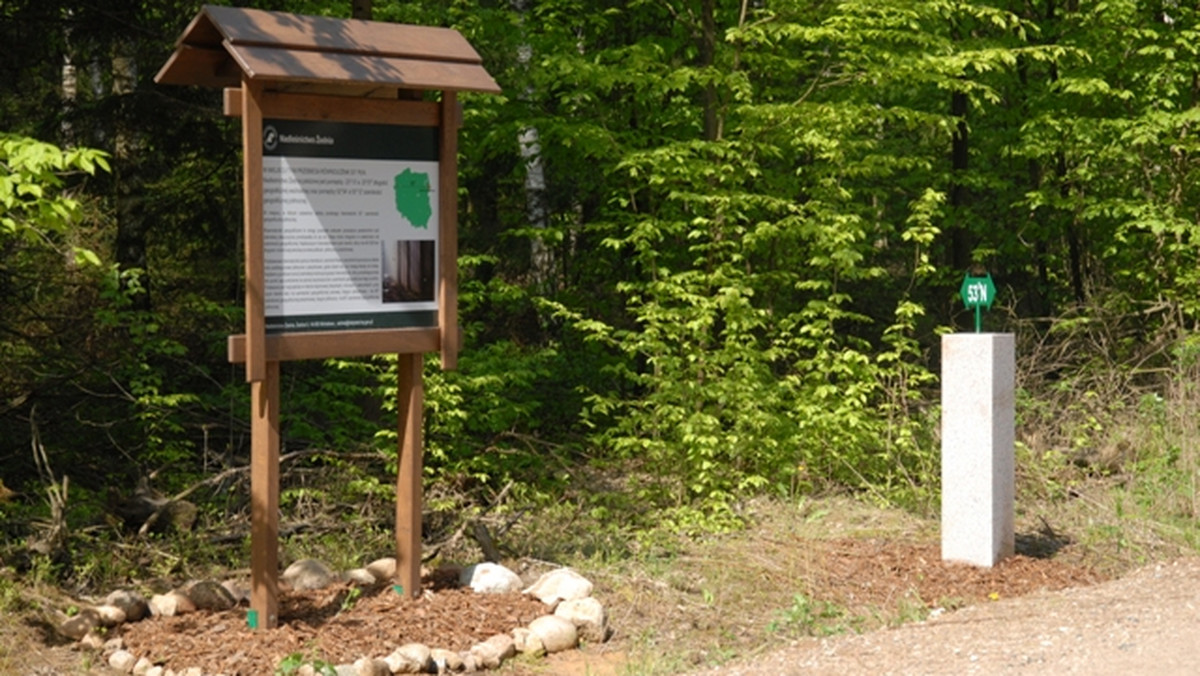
(252,201)
(342,71)
(262,354)
(445,115)
(448,231)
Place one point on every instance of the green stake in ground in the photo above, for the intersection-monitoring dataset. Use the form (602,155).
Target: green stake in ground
(978,292)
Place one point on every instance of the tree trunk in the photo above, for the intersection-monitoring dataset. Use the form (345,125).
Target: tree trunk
(541,264)
(70,90)
(708,54)
(541,257)
(127,149)
(960,244)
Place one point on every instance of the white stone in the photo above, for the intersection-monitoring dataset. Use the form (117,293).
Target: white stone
(306,670)
(490,578)
(486,656)
(122,661)
(110,616)
(170,604)
(112,645)
(142,666)
(588,616)
(79,625)
(978,431)
(162,605)
(359,576)
(345,670)
(133,603)
(192,671)
(562,584)
(470,663)
(446,660)
(240,591)
(556,633)
(155,671)
(503,643)
(410,658)
(491,653)
(92,641)
(383,569)
(526,643)
(308,574)
(371,666)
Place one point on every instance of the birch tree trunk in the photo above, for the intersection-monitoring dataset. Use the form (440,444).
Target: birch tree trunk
(541,257)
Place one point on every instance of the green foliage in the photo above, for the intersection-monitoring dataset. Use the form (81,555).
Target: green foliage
(293,662)
(10,594)
(481,419)
(713,245)
(34,209)
(806,617)
(140,372)
(749,359)
(352,596)
(330,405)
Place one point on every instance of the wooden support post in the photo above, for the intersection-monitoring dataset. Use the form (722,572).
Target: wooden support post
(264,499)
(252,197)
(410,402)
(447,232)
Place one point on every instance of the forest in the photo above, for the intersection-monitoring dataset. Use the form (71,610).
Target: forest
(707,252)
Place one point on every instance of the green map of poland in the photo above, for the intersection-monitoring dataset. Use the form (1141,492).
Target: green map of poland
(412,197)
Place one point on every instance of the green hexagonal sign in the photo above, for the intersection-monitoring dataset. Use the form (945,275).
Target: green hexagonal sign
(977,293)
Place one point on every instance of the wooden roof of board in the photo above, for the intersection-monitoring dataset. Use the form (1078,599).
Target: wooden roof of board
(222,44)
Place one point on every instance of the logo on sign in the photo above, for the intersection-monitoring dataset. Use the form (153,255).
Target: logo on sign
(270,137)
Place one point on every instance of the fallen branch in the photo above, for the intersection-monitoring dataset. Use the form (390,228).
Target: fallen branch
(490,553)
(222,476)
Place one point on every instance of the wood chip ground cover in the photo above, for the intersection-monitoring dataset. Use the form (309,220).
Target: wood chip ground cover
(331,625)
(856,574)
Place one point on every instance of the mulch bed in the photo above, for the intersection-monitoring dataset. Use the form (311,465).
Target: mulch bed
(338,624)
(882,572)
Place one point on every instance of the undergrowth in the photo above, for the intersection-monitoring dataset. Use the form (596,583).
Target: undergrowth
(1108,437)
(1108,456)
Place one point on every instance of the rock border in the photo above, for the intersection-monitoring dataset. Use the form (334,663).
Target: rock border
(572,615)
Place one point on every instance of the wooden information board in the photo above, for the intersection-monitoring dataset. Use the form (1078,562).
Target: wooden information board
(350,221)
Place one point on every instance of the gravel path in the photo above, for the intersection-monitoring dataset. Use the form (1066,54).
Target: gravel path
(1146,622)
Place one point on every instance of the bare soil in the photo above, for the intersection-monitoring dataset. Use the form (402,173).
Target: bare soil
(1145,622)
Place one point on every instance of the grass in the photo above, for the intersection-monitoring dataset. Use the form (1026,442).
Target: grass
(690,602)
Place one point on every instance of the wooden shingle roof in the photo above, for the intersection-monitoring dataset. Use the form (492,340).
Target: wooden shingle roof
(223,44)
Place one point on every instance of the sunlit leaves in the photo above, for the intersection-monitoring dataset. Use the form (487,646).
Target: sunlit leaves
(32,175)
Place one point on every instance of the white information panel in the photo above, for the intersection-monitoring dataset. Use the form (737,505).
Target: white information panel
(350,226)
